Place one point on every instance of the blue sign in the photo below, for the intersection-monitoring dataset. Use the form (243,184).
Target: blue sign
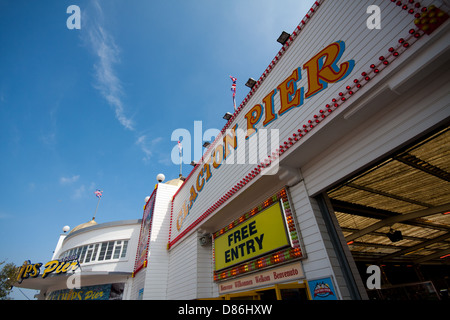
(322,289)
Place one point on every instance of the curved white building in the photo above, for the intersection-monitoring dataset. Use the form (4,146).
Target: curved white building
(106,254)
(106,257)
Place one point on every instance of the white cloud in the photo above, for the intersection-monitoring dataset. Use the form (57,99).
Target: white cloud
(79,192)
(107,52)
(83,192)
(147,146)
(69,180)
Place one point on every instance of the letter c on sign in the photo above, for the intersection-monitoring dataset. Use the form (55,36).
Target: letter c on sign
(179,222)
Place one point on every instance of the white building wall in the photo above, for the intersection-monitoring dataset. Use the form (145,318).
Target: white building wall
(101,272)
(138,283)
(158,256)
(120,230)
(128,290)
(205,283)
(57,250)
(182,282)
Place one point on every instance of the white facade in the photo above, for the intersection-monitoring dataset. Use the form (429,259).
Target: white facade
(151,281)
(103,267)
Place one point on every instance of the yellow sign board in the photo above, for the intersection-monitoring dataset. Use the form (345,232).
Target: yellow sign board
(28,269)
(262,233)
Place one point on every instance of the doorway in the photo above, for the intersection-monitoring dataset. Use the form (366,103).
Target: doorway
(396,215)
(289,291)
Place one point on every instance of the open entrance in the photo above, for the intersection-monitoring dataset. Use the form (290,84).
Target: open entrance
(288,291)
(396,215)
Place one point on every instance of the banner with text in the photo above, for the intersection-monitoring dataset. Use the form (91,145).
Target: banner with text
(263,233)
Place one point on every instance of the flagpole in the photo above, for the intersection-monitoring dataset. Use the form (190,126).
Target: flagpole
(93,218)
(98,193)
(180,148)
(181,163)
(233,89)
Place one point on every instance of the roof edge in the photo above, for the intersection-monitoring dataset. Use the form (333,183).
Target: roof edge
(104,225)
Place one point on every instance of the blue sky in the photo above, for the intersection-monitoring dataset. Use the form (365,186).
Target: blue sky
(96,107)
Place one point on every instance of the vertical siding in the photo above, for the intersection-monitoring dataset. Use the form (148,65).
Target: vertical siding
(205,281)
(182,282)
(137,284)
(191,271)
(320,259)
(158,256)
(128,290)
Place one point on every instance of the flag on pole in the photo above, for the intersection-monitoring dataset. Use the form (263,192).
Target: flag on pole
(98,193)
(180,147)
(233,89)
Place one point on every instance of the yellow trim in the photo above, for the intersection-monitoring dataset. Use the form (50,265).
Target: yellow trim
(255,294)
(216,298)
(305,283)
(278,292)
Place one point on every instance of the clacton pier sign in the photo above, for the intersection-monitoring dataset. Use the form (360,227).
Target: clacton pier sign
(294,92)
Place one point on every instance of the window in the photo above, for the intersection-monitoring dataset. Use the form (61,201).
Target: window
(82,255)
(89,253)
(109,250)
(103,251)
(124,249)
(117,249)
(95,251)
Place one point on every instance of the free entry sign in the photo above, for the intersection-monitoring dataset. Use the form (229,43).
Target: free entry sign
(263,233)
